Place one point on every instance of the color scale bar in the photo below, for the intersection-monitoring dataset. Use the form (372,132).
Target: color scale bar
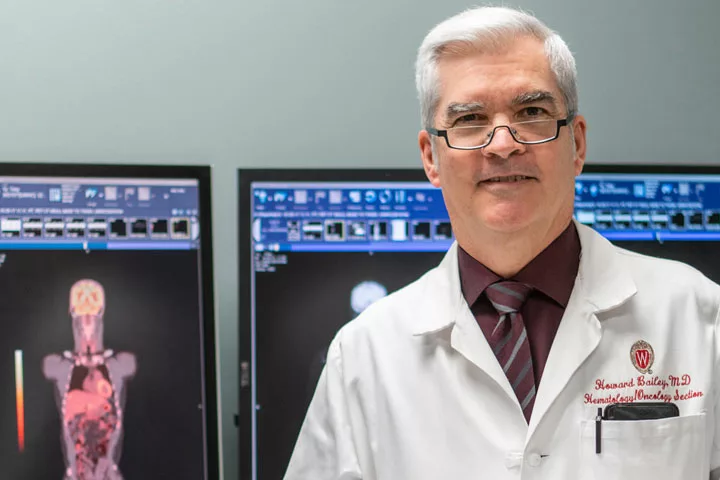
(20,399)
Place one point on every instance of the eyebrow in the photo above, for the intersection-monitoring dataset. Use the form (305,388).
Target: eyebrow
(536,96)
(454,108)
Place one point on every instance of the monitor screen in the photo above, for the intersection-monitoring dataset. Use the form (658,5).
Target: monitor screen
(666,211)
(318,246)
(108,335)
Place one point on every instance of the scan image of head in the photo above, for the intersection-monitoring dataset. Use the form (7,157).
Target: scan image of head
(87,306)
(365,294)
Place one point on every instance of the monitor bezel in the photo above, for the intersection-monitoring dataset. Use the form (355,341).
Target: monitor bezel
(245,178)
(203,174)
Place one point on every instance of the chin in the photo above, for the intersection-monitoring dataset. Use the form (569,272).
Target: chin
(506,222)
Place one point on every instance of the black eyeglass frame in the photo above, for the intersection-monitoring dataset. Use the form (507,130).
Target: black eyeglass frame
(444,133)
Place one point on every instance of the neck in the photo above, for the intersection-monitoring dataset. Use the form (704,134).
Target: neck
(508,253)
(85,347)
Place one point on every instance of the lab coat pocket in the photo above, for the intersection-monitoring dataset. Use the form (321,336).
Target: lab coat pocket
(665,449)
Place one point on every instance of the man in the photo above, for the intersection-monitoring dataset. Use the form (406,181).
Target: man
(494,364)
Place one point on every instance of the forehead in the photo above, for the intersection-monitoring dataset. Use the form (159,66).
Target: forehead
(495,77)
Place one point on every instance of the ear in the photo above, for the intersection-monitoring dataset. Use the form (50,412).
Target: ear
(428,159)
(579,131)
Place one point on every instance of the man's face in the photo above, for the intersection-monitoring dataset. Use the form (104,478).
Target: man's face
(480,187)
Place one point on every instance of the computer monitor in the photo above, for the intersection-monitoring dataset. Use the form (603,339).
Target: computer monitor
(317,246)
(106,300)
(668,211)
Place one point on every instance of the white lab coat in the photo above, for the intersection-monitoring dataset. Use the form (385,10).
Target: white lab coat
(412,391)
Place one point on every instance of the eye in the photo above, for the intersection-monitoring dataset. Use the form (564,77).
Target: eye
(470,119)
(532,113)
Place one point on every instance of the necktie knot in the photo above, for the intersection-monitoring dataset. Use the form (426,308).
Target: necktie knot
(507,296)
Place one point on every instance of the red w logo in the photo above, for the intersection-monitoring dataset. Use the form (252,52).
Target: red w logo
(642,357)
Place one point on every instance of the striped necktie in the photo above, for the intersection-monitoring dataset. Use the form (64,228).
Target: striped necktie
(509,340)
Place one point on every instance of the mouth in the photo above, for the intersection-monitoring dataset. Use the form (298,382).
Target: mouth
(508,179)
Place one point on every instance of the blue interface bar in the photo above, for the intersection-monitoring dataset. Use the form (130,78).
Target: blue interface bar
(54,212)
(433,246)
(669,206)
(349,216)
(411,216)
(98,196)
(89,246)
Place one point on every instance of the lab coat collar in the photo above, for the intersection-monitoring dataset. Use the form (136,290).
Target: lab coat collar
(442,299)
(603,282)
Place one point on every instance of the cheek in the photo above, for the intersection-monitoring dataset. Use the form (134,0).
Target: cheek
(559,167)
(458,168)
(461,185)
(562,188)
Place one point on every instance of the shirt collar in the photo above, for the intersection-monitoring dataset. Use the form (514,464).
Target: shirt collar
(552,272)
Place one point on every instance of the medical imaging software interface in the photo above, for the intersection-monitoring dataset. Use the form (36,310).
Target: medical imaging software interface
(322,252)
(101,329)
(674,216)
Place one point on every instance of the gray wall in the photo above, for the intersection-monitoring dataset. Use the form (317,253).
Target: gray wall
(317,83)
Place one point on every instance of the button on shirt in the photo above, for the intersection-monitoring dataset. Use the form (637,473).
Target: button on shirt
(551,275)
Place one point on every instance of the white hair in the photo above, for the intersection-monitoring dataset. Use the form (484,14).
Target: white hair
(485,29)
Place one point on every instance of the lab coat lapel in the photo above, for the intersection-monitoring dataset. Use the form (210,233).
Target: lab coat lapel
(466,337)
(577,337)
(602,284)
(469,341)
(441,306)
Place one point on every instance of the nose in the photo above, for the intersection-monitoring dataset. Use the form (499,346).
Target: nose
(502,144)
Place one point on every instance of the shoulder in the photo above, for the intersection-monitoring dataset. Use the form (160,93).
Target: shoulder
(53,365)
(645,270)
(125,362)
(665,280)
(610,269)
(52,360)
(662,270)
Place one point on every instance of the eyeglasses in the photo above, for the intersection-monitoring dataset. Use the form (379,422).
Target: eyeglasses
(474,137)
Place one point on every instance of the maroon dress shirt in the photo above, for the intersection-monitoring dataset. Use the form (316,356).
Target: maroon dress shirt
(551,274)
